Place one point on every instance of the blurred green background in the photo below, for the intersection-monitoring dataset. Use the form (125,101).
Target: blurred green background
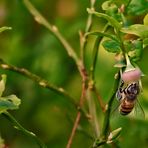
(33,47)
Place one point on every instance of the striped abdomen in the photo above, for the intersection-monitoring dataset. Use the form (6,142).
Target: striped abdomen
(126,106)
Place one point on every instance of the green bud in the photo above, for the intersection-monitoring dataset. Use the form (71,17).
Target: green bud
(114,134)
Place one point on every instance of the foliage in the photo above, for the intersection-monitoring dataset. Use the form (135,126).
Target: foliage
(76,73)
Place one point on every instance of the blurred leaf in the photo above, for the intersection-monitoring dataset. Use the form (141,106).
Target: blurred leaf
(4,28)
(145,20)
(138,7)
(111,46)
(137,29)
(2,84)
(110,19)
(10,102)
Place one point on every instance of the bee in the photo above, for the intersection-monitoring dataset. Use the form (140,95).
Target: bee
(127,96)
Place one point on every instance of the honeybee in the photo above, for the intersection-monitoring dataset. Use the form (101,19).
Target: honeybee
(128,97)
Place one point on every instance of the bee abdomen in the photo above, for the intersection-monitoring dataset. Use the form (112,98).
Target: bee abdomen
(126,107)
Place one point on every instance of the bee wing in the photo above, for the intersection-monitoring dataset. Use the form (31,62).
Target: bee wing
(138,110)
(115,108)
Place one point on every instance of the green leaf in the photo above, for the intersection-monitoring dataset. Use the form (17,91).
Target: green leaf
(5,28)
(97,33)
(138,7)
(2,84)
(10,102)
(145,20)
(110,19)
(137,29)
(111,46)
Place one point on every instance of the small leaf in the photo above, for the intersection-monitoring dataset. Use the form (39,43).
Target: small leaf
(138,7)
(5,28)
(114,23)
(137,29)
(2,84)
(111,46)
(10,102)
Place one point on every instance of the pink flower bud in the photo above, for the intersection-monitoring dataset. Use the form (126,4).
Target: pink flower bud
(131,75)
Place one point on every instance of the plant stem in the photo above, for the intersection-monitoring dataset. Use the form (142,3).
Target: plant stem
(78,116)
(22,129)
(83,37)
(106,123)
(95,54)
(41,20)
(38,80)
(83,74)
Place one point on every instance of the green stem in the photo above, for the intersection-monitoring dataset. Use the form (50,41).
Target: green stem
(95,53)
(83,38)
(38,80)
(41,20)
(22,129)
(106,123)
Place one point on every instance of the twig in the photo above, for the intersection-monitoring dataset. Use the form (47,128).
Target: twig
(26,132)
(83,38)
(83,74)
(78,116)
(38,80)
(41,20)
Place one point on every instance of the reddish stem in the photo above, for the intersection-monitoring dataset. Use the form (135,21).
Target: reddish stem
(78,117)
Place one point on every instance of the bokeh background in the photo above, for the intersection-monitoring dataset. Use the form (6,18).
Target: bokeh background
(33,47)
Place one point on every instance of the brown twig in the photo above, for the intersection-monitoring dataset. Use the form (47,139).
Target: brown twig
(40,81)
(83,74)
(78,116)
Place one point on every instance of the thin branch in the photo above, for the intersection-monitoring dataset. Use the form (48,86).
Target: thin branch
(83,74)
(38,80)
(41,20)
(83,38)
(78,116)
(89,20)
(95,53)
(106,123)
(26,132)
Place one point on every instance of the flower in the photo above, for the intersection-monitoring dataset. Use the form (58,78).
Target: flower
(131,75)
